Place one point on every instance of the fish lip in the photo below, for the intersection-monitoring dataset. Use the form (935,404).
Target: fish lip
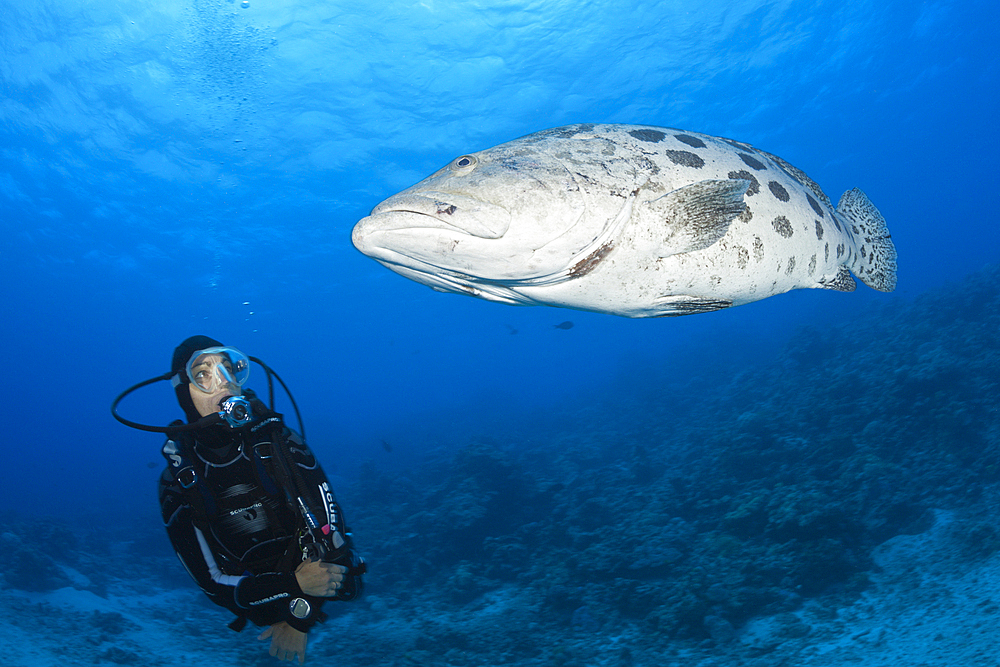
(445,210)
(373,235)
(446,280)
(421,221)
(410,266)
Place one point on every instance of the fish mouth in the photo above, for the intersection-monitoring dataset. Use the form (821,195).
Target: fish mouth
(384,247)
(439,210)
(411,228)
(411,244)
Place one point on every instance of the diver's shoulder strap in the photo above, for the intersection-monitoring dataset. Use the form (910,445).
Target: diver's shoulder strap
(179,452)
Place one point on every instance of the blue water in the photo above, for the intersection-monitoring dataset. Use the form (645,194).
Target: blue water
(175,168)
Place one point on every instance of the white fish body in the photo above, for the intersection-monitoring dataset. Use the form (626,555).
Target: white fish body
(631,220)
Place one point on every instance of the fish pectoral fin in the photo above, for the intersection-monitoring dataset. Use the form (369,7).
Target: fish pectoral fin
(693,217)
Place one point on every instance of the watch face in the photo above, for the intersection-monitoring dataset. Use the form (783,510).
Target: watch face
(299,608)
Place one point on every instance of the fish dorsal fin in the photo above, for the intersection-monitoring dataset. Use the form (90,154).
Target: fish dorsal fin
(693,217)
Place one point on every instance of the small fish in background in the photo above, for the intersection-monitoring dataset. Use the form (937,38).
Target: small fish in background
(631,220)
(386,446)
(564,325)
(513,331)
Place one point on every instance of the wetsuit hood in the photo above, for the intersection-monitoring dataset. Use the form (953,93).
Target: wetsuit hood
(182,354)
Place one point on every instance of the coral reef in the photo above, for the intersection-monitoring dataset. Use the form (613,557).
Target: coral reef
(696,507)
(739,518)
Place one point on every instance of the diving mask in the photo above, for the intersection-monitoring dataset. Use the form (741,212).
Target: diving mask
(211,369)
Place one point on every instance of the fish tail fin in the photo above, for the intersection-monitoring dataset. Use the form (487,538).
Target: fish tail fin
(875,251)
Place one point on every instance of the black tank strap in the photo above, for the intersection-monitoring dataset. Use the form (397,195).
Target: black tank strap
(179,452)
(301,499)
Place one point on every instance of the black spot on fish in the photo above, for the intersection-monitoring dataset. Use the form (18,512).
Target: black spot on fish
(799,176)
(815,205)
(826,257)
(782,226)
(444,209)
(652,136)
(837,224)
(758,249)
(791,266)
(738,144)
(564,325)
(778,190)
(685,159)
(819,230)
(752,162)
(693,142)
(746,215)
(742,257)
(747,176)
(812,265)
(840,250)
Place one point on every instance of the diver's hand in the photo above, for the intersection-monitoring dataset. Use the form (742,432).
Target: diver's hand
(319,579)
(286,642)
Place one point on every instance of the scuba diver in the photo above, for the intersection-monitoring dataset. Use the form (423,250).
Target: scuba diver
(246,504)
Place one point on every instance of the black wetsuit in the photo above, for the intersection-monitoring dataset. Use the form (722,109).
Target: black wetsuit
(231,524)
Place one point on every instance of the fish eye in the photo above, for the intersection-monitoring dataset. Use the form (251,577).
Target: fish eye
(464,163)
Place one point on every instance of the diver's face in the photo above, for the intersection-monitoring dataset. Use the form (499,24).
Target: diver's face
(207,373)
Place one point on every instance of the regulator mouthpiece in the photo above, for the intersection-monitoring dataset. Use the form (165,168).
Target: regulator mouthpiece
(236,411)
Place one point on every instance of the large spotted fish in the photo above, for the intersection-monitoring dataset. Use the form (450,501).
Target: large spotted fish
(627,219)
